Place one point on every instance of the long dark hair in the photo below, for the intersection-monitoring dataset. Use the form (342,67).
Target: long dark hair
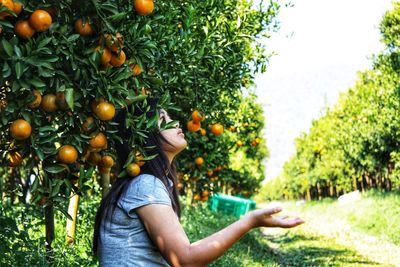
(159,166)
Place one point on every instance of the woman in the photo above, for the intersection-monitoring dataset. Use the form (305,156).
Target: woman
(137,223)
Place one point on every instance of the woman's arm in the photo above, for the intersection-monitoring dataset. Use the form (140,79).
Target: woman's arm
(167,233)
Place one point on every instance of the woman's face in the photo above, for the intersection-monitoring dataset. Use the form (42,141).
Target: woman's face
(175,136)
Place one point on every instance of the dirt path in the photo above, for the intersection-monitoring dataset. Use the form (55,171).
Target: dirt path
(368,250)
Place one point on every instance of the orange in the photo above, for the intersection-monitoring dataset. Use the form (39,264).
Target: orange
(203,132)
(179,186)
(83,28)
(36,102)
(105,111)
(204,198)
(20,129)
(88,124)
(217,129)
(8,4)
(217,168)
(17,8)
(43,201)
(239,143)
(199,161)
(133,169)
(209,173)
(196,197)
(113,42)
(104,170)
(193,126)
(23,29)
(3,104)
(107,161)
(98,141)
(67,154)
(136,70)
(144,7)
(95,102)
(61,103)
(105,54)
(205,193)
(118,60)
(14,158)
(40,20)
(197,116)
(49,103)
(94,158)
(139,159)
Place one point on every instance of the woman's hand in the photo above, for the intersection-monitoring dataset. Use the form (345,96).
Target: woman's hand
(263,218)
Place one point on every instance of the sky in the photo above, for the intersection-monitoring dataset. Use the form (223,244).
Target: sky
(319,48)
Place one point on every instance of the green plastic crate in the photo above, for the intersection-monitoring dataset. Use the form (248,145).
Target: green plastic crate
(236,206)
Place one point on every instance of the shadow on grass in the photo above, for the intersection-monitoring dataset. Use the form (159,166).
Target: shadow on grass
(301,250)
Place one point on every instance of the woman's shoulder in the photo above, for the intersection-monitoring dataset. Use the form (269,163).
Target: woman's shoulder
(146,178)
(146,183)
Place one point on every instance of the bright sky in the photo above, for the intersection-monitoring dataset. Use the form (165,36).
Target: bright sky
(320,47)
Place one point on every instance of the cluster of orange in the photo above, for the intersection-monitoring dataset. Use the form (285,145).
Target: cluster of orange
(39,21)
(110,47)
(194,124)
(254,142)
(203,196)
(21,129)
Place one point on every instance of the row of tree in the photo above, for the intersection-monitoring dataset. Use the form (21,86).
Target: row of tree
(355,145)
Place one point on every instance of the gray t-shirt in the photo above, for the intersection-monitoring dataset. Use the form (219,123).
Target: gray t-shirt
(125,242)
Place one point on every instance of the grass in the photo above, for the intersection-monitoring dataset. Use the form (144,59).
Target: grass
(376,213)
(22,235)
(296,247)
(251,250)
(23,243)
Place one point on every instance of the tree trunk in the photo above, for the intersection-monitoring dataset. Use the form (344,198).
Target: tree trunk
(318,191)
(308,194)
(355,186)
(105,182)
(331,193)
(49,223)
(362,184)
(71,224)
(12,185)
(389,184)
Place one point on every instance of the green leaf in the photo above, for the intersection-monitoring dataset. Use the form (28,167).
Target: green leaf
(37,82)
(138,98)
(155,81)
(65,212)
(6,70)
(7,47)
(73,37)
(69,97)
(55,189)
(18,69)
(54,168)
(122,174)
(39,153)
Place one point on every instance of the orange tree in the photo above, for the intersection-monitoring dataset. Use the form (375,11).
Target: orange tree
(67,67)
(230,162)
(355,145)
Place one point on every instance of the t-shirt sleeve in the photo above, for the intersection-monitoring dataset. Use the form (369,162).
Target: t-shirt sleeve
(144,190)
